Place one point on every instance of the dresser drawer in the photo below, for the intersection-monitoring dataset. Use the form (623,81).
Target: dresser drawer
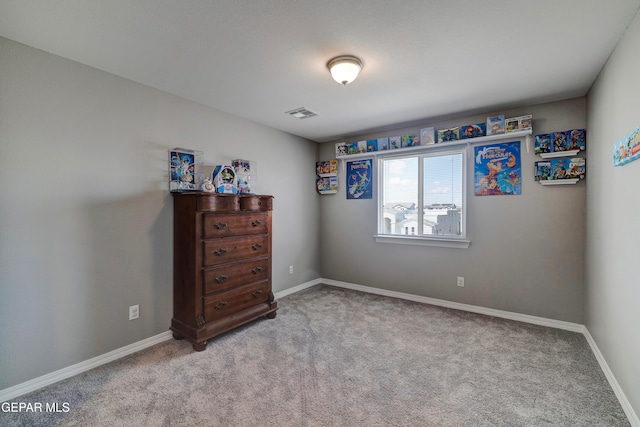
(256,203)
(218,279)
(218,202)
(222,225)
(229,249)
(221,305)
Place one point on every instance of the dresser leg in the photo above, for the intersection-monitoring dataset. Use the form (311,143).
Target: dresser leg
(177,336)
(200,346)
(272,315)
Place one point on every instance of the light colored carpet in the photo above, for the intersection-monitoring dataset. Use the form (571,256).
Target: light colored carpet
(336,357)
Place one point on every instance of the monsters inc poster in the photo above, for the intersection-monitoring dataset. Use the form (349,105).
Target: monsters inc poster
(359,179)
(497,169)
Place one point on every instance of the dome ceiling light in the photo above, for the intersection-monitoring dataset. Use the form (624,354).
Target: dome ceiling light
(344,69)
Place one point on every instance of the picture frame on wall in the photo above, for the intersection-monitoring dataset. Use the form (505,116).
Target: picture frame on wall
(359,182)
(627,149)
(428,136)
(383,144)
(473,131)
(446,135)
(497,169)
(495,125)
(185,170)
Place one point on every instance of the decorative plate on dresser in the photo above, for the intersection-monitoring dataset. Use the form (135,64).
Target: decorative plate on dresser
(221,264)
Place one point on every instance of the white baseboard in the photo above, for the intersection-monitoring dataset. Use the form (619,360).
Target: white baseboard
(78,368)
(300,287)
(573,327)
(626,405)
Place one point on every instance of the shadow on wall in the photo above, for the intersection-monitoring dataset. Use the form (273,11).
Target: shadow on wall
(130,262)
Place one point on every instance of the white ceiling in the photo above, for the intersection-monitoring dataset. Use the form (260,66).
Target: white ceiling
(424,59)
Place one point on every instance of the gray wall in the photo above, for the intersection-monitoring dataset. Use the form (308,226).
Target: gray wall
(85,215)
(613,217)
(526,253)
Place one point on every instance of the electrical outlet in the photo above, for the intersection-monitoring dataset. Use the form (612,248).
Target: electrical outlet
(134,312)
(461,281)
(291,269)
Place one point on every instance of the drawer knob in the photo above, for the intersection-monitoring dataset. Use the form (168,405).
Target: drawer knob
(220,305)
(256,246)
(221,278)
(220,252)
(256,270)
(256,223)
(220,225)
(257,293)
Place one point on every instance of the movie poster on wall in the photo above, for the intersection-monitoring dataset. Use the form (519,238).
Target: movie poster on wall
(359,179)
(497,169)
(627,149)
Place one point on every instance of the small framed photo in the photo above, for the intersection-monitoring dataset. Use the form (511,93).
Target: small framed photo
(341,149)
(395,142)
(495,125)
(409,141)
(516,124)
(559,141)
(473,131)
(446,135)
(362,147)
(185,170)
(542,171)
(576,168)
(428,136)
(352,148)
(577,139)
(324,168)
(383,144)
(543,143)
(525,122)
(511,125)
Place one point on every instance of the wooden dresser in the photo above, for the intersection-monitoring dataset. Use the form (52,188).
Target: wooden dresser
(221,264)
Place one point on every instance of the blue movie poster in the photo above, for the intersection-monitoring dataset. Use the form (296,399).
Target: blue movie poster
(497,169)
(359,179)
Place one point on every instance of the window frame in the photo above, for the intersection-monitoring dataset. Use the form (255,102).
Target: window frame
(421,239)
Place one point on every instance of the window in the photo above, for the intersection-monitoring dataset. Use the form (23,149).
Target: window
(421,198)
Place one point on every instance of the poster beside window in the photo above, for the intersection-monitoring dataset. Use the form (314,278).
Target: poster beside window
(497,169)
(359,179)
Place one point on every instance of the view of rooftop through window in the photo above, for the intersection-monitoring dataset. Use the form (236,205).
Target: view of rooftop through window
(442,195)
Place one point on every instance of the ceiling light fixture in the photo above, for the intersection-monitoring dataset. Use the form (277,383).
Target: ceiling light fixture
(344,69)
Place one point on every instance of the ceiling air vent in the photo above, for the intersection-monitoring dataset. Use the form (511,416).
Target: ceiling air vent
(301,113)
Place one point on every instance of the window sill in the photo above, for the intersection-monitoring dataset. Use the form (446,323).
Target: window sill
(422,241)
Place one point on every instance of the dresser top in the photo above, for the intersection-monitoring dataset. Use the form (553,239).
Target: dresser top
(227,202)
